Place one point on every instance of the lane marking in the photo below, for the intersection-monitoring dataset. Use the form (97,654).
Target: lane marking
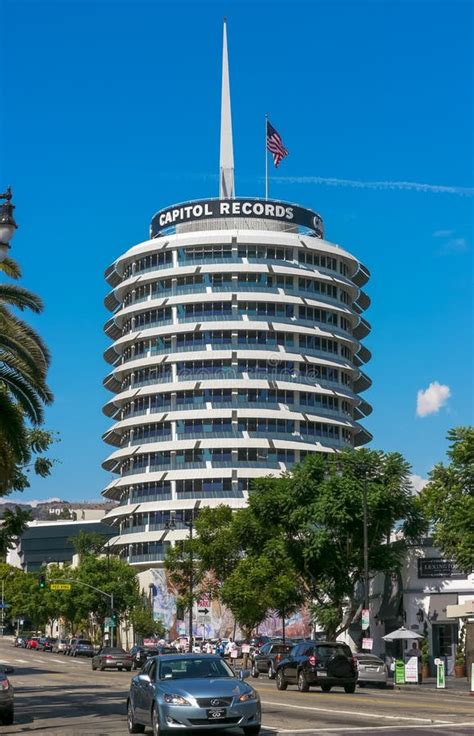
(358,713)
(342,729)
(22,661)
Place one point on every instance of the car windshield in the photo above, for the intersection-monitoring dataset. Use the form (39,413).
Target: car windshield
(281,648)
(113,650)
(84,642)
(185,668)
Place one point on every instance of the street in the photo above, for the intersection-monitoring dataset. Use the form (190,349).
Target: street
(59,695)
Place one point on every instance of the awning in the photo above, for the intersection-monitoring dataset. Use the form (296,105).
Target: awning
(438,604)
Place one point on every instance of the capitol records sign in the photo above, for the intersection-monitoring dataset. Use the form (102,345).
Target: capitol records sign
(260,209)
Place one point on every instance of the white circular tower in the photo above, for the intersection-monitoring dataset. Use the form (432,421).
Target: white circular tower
(236,351)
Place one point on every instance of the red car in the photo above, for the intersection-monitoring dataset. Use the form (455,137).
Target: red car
(32,642)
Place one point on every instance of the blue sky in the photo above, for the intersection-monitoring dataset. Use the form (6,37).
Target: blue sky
(110,111)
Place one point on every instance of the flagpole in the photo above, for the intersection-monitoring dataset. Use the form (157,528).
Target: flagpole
(266,157)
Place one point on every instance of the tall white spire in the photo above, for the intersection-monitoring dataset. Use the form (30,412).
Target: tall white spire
(226,164)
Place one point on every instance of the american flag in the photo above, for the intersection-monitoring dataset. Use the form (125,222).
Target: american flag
(275,144)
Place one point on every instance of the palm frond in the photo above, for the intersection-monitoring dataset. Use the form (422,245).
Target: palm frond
(17,296)
(10,268)
(24,332)
(21,389)
(12,427)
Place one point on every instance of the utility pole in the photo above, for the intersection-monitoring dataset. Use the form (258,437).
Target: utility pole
(366,547)
(3,603)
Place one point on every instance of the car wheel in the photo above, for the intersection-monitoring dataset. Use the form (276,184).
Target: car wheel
(132,726)
(120,669)
(155,724)
(7,716)
(129,669)
(350,688)
(271,671)
(252,730)
(303,686)
(101,668)
(254,671)
(94,666)
(382,685)
(282,683)
(326,688)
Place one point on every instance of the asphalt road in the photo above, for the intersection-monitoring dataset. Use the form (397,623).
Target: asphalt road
(57,695)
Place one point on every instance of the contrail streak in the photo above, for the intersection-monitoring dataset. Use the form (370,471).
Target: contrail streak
(357,184)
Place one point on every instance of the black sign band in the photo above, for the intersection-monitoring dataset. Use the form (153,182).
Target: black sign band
(260,209)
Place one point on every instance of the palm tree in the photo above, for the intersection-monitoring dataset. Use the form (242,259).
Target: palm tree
(24,362)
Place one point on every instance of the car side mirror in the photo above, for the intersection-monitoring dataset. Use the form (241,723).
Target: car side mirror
(144,678)
(7,669)
(243,674)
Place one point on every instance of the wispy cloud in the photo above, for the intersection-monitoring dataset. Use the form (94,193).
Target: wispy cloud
(430,400)
(360,184)
(454,245)
(442,233)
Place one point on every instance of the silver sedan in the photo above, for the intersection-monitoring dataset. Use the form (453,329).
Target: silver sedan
(191,692)
(371,670)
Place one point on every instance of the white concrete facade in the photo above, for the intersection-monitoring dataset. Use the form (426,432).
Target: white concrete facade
(235,352)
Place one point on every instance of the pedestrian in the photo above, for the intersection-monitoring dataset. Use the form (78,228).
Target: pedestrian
(209,647)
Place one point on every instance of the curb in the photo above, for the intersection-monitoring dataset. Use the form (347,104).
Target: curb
(426,688)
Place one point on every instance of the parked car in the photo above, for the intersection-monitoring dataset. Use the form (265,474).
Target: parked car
(44,644)
(60,646)
(371,670)
(6,696)
(19,641)
(193,691)
(112,658)
(32,642)
(326,664)
(141,654)
(268,657)
(82,648)
(69,645)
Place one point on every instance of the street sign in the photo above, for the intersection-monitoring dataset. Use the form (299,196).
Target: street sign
(108,622)
(411,669)
(399,673)
(204,602)
(60,586)
(205,611)
(440,676)
(365,619)
(367,644)
(5,605)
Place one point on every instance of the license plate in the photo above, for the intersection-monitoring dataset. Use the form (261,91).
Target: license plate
(372,669)
(119,664)
(322,674)
(214,714)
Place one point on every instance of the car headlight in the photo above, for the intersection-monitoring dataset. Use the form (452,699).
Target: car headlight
(174,699)
(251,695)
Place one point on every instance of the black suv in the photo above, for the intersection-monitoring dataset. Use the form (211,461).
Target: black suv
(142,654)
(267,657)
(324,663)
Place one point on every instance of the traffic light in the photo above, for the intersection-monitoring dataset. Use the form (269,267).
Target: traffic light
(42,582)
(113,619)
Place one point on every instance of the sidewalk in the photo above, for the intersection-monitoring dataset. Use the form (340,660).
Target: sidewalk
(454,686)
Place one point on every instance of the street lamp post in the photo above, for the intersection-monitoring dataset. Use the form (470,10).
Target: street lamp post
(7,223)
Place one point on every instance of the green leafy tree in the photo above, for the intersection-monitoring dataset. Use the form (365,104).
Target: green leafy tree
(144,624)
(317,510)
(88,543)
(15,474)
(13,525)
(448,499)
